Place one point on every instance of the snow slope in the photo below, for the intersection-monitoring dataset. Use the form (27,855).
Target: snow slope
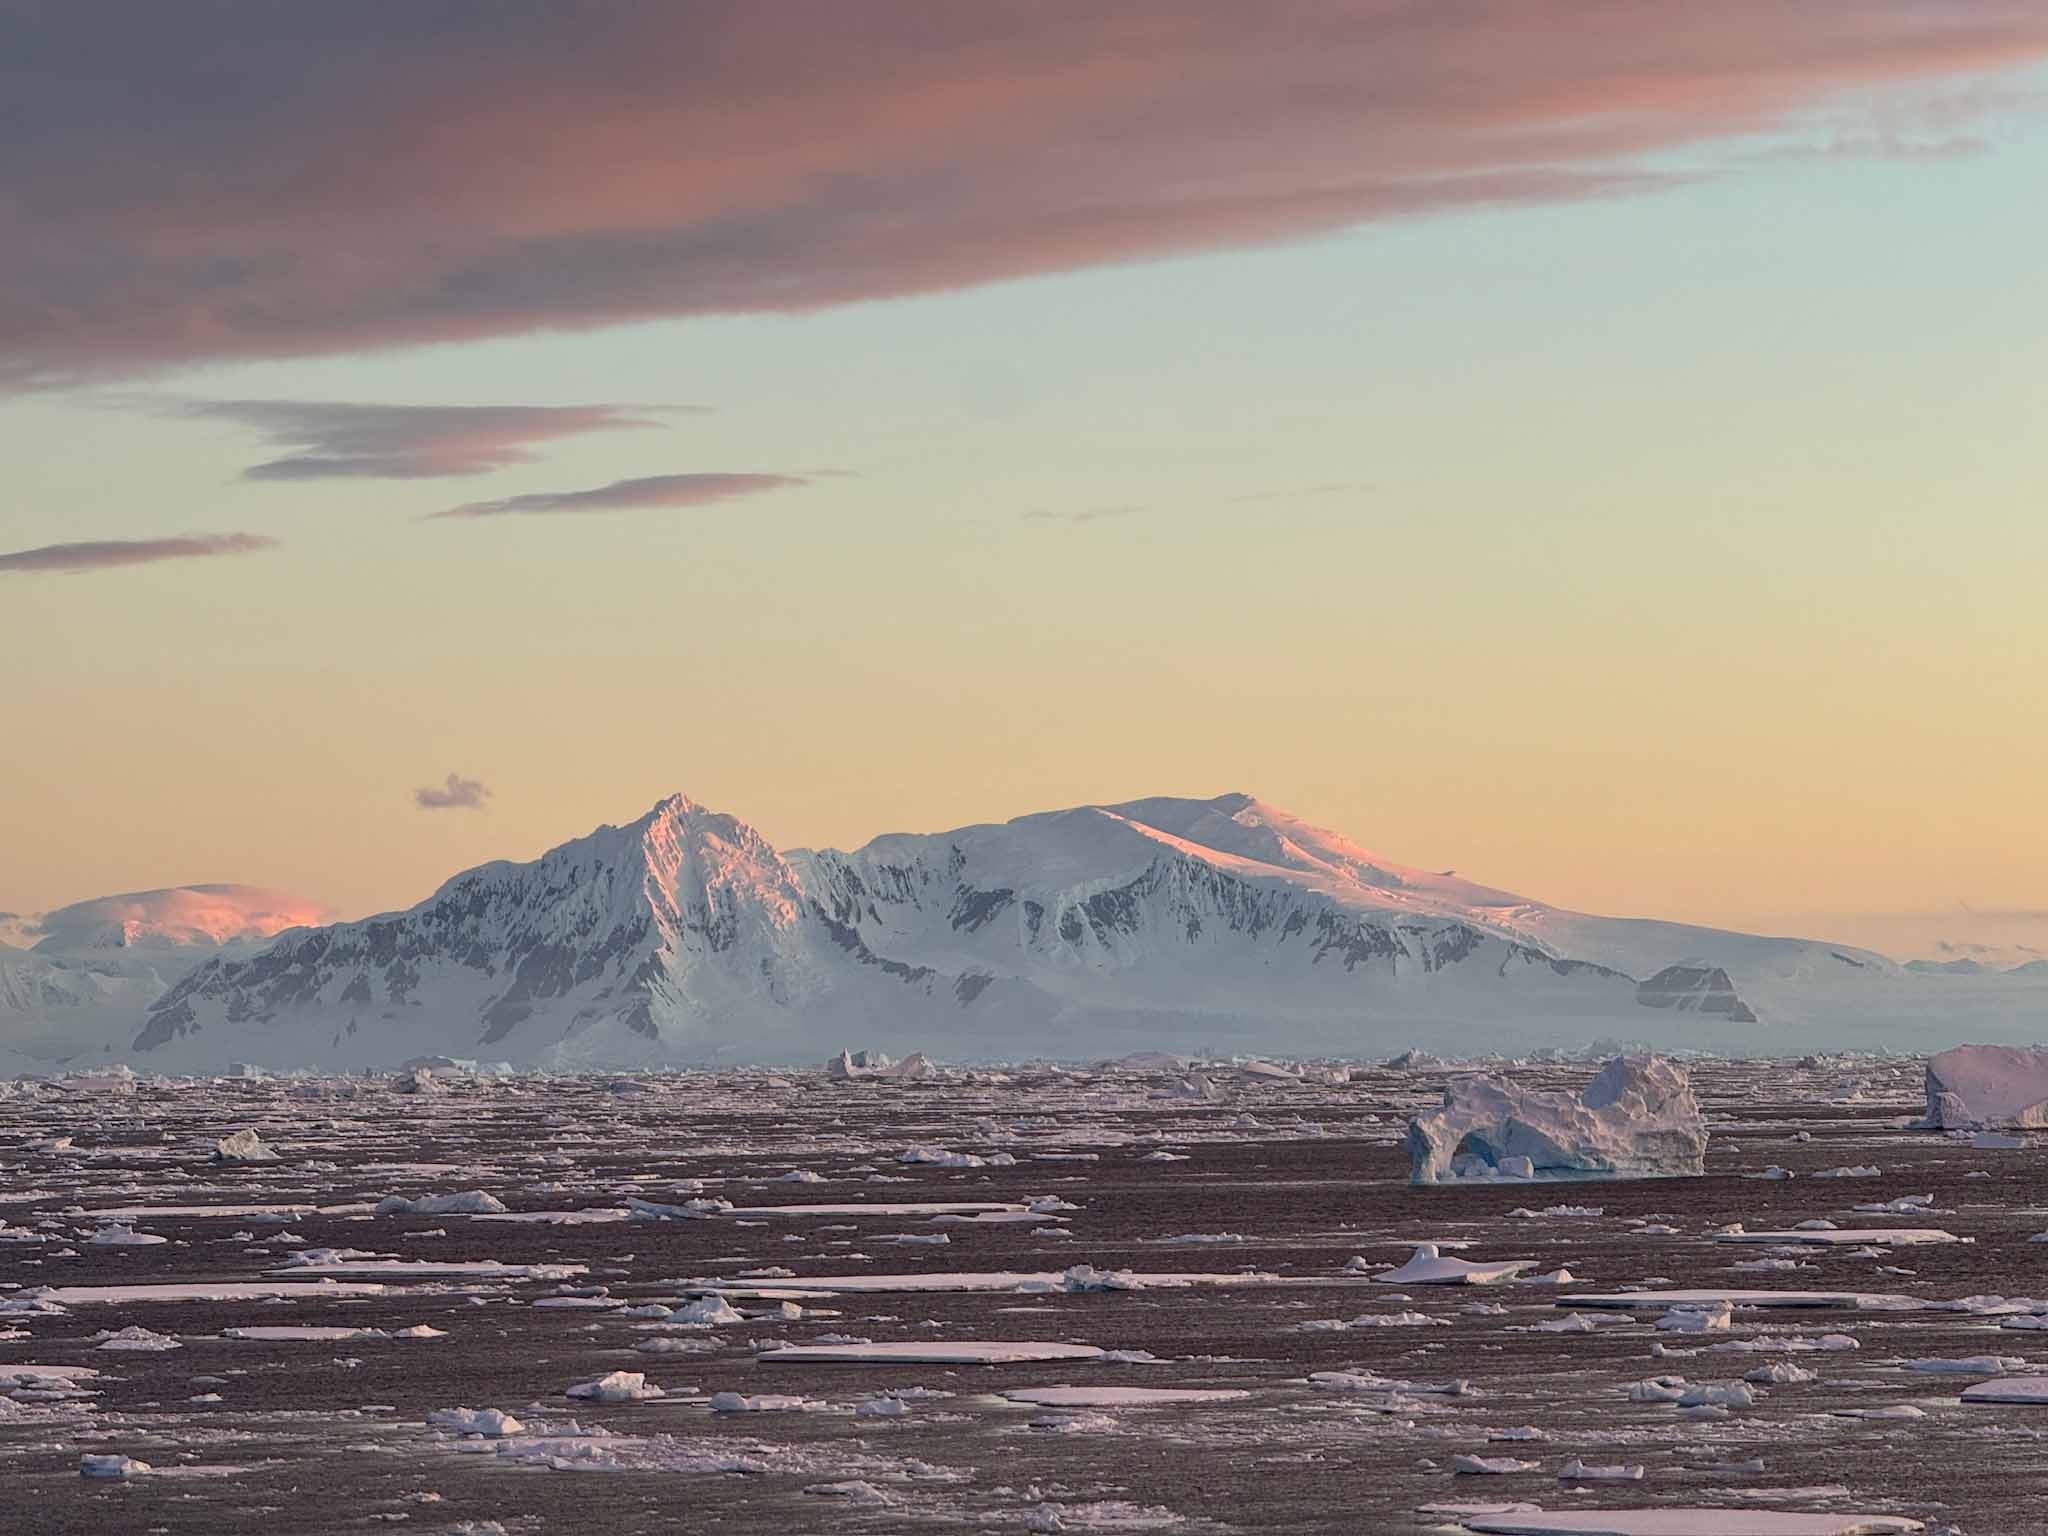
(77,979)
(184,916)
(1208,925)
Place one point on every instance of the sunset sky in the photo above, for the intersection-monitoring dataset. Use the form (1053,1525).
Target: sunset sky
(1598,447)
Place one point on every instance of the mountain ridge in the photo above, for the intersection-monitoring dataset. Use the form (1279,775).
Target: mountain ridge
(684,936)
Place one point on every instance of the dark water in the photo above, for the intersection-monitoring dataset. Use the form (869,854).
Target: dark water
(327,1436)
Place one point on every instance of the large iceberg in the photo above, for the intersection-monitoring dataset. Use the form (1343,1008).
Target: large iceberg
(1981,1087)
(857,1066)
(1637,1119)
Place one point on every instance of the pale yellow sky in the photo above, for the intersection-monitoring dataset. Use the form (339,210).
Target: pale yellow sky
(1676,555)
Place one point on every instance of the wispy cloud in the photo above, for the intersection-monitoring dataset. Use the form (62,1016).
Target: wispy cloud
(2006,914)
(109,554)
(455,793)
(346,440)
(1080,515)
(191,182)
(623,495)
(1304,492)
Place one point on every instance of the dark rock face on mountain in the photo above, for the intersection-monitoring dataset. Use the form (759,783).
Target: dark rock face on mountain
(1693,987)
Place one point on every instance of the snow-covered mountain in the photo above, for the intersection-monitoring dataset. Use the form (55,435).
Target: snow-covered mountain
(81,976)
(182,917)
(1194,925)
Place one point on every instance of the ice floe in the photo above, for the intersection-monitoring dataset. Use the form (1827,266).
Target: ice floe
(1672,1521)
(1429,1265)
(964,1352)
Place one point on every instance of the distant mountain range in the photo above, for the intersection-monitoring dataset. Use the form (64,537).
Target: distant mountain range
(1207,926)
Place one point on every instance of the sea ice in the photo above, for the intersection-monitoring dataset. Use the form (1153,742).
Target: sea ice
(1838,1237)
(962,1353)
(1119,1397)
(1685,1522)
(1650,1301)
(2012,1389)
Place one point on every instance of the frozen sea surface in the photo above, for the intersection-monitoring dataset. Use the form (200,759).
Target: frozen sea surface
(729,1309)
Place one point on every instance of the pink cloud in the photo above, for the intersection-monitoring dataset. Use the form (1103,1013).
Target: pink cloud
(347,440)
(644,491)
(109,554)
(248,179)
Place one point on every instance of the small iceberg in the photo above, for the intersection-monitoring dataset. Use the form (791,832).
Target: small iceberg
(1987,1087)
(1637,1119)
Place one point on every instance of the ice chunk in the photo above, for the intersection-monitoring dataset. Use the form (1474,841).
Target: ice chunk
(1576,1471)
(137,1339)
(119,1236)
(111,1466)
(689,1210)
(1713,1318)
(1637,1119)
(243,1147)
(618,1387)
(491,1423)
(765,1402)
(1987,1087)
(1429,1266)
(468,1202)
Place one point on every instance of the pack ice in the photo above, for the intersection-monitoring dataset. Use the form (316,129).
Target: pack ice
(1978,1087)
(1637,1119)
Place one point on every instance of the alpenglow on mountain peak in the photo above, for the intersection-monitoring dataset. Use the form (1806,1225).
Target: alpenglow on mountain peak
(1189,924)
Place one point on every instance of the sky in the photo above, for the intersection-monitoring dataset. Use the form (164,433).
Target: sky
(1595,447)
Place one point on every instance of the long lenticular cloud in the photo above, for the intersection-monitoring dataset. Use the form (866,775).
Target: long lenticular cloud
(346,440)
(624,495)
(111,554)
(246,179)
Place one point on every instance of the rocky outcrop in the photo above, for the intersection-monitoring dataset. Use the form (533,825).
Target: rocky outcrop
(1692,986)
